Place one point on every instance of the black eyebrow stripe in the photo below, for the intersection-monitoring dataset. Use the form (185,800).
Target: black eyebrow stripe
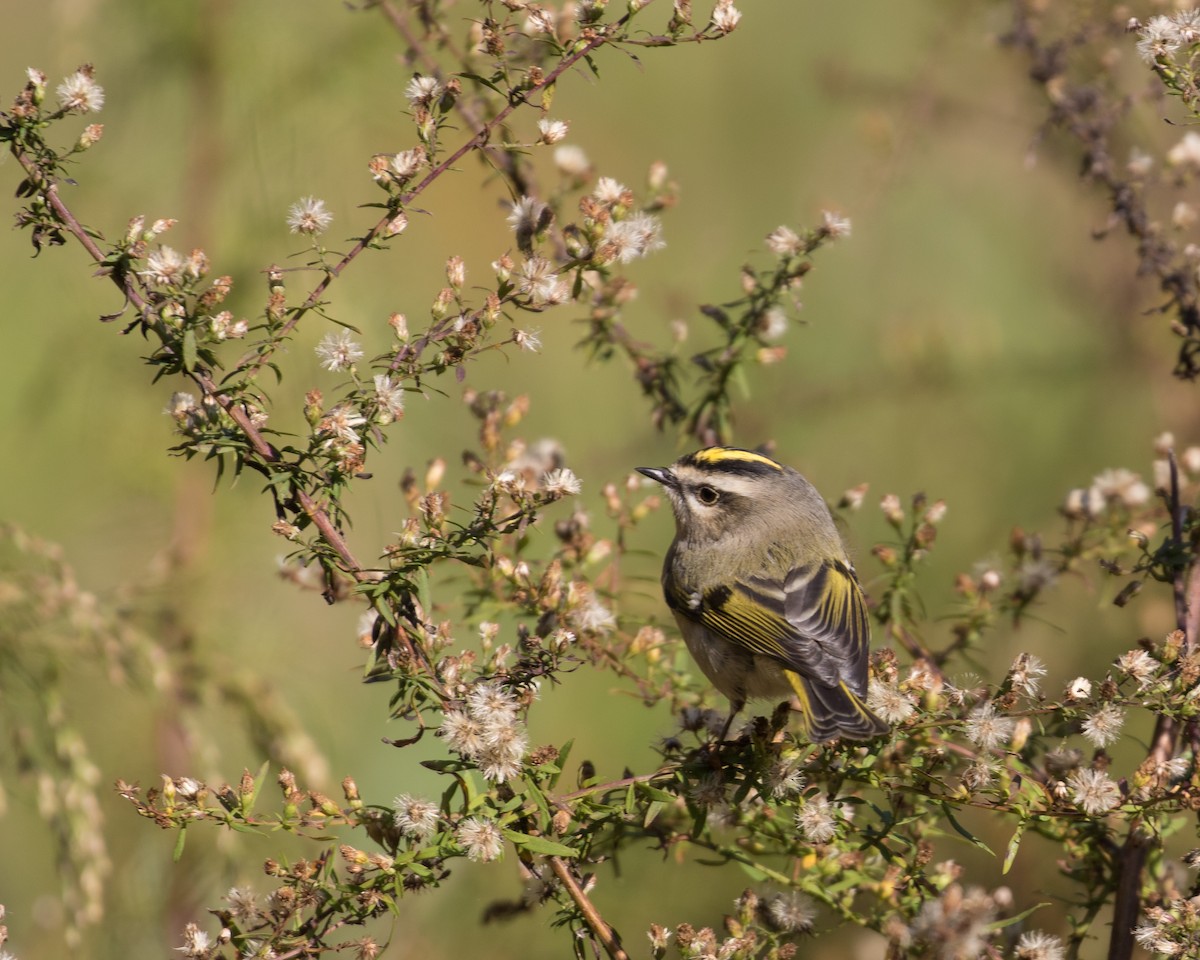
(734,465)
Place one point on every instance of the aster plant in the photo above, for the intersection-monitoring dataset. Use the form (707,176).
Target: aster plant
(826,835)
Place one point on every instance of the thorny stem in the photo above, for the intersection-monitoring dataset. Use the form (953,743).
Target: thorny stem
(603,932)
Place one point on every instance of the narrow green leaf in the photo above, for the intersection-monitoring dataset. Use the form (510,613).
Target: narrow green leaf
(652,811)
(179,841)
(738,378)
(1013,844)
(540,845)
(484,81)
(371,660)
(443,766)
(189,350)
(654,793)
(386,612)
(561,762)
(539,798)
(1009,921)
(963,831)
(754,873)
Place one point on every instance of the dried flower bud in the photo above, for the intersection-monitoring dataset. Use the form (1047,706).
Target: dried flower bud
(91,136)
(1078,689)
(397,225)
(892,511)
(725,16)
(552,131)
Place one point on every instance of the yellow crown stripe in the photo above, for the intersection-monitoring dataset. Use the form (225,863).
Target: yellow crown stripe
(715,455)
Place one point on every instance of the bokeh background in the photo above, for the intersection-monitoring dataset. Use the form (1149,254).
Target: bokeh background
(971,340)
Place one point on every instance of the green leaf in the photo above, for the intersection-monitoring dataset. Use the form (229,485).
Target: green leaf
(539,799)
(1009,921)
(443,766)
(189,350)
(372,661)
(342,323)
(850,880)
(754,872)
(738,378)
(515,802)
(561,762)
(485,82)
(652,811)
(540,845)
(654,793)
(1013,844)
(963,831)
(386,613)
(179,841)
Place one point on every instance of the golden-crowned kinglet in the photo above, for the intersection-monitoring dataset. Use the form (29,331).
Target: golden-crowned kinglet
(760,584)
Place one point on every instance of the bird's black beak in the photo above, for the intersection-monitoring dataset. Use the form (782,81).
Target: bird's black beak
(662,474)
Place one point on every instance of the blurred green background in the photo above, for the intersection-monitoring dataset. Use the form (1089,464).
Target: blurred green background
(970,340)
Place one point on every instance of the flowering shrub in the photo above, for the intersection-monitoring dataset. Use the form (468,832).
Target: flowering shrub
(828,834)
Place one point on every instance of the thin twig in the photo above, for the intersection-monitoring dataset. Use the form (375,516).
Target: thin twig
(263,450)
(1088,114)
(597,39)
(614,785)
(504,159)
(603,932)
(251,364)
(1132,859)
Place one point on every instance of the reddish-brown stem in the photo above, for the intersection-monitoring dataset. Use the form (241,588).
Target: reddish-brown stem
(600,929)
(1127,902)
(503,159)
(621,784)
(263,451)
(597,39)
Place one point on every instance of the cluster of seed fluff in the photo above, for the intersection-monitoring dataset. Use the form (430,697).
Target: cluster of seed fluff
(1162,36)
(488,731)
(1119,486)
(1171,930)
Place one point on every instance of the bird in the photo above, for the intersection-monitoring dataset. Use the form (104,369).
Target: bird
(763,590)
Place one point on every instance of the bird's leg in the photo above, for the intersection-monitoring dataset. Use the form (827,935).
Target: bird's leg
(779,721)
(711,750)
(735,707)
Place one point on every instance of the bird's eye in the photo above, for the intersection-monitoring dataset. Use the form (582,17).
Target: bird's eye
(707,495)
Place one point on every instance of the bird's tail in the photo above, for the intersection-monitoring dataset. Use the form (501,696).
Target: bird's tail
(828,712)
